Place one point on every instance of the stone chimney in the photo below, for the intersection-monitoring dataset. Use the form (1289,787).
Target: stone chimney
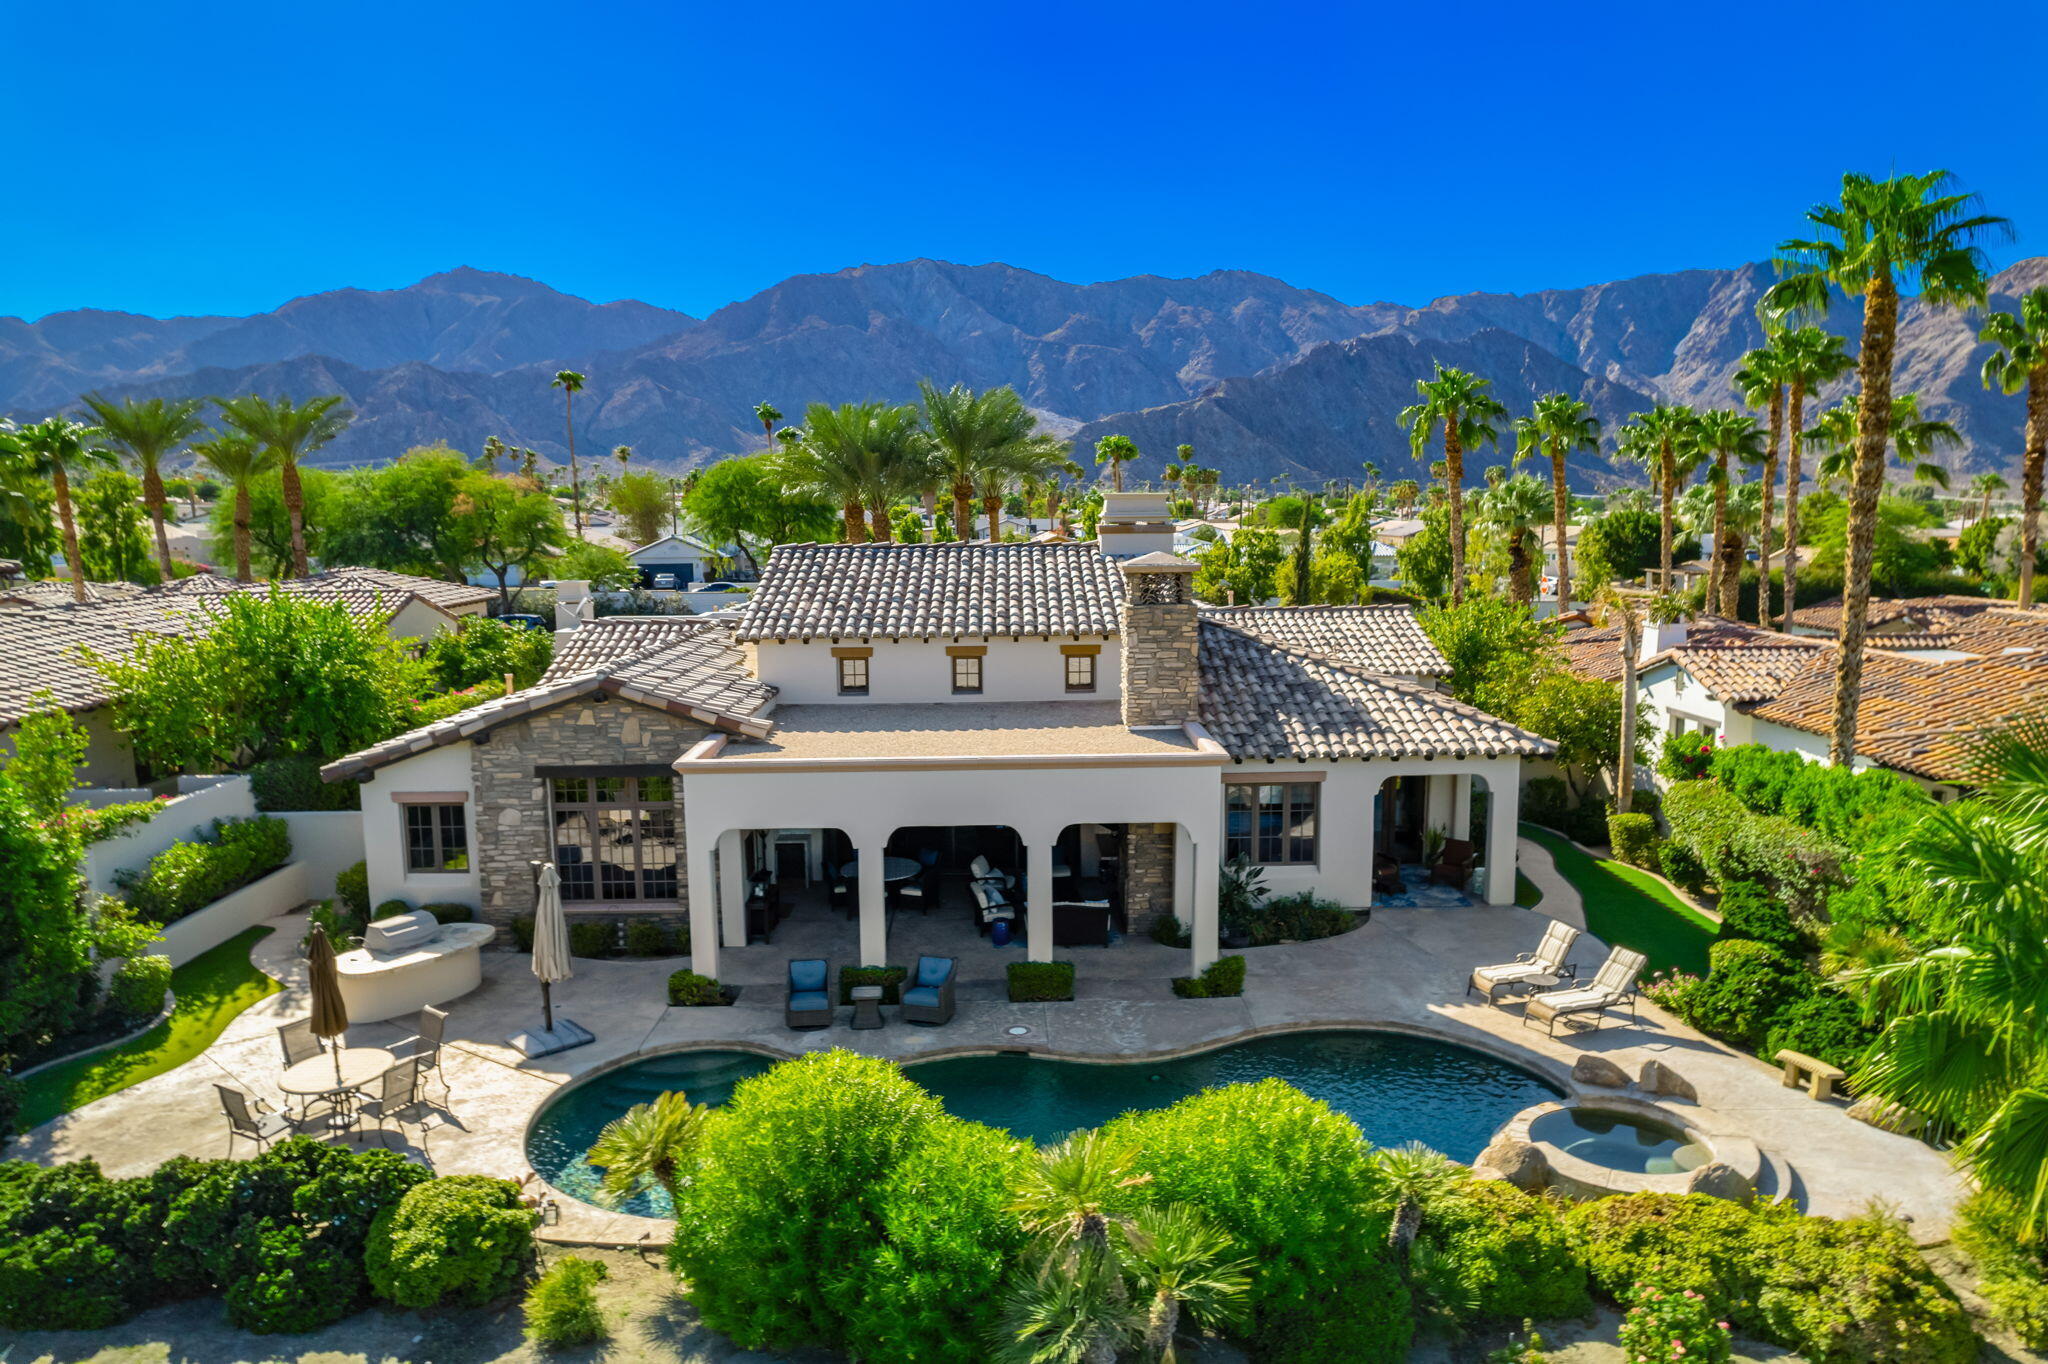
(1659,636)
(1134,524)
(1161,668)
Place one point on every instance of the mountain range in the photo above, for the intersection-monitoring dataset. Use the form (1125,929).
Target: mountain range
(1264,379)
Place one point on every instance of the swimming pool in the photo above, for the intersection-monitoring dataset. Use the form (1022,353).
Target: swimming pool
(1397,1088)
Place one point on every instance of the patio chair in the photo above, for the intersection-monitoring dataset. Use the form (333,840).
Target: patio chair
(424,1047)
(843,893)
(1455,863)
(1386,875)
(1080,923)
(397,1090)
(1546,960)
(991,904)
(809,1005)
(915,892)
(981,869)
(929,998)
(1613,985)
(251,1118)
(298,1041)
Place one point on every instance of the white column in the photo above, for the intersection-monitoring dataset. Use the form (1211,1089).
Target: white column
(1461,805)
(874,907)
(1183,875)
(1038,900)
(732,887)
(1505,786)
(1203,922)
(703,904)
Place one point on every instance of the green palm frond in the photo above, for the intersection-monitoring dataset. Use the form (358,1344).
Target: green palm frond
(2010,1153)
(1068,1310)
(648,1144)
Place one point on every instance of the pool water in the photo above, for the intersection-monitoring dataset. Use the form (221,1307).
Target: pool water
(1396,1088)
(1618,1141)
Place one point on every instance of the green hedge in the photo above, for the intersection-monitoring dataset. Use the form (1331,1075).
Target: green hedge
(2012,1272)
(352,888)
(1749,910)
(593,939)
(1035,982)
(1507,1253)
(890,978)
(187,877)
(687,989)
(449,912)
(1300,917)
(293,783)
(647,938)
(1220,979)
(137,990)
(1634,839)
(1851,808)
(461,1241)
(1737,844)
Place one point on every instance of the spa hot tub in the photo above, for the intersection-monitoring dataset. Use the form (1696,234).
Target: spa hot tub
(1610,1144)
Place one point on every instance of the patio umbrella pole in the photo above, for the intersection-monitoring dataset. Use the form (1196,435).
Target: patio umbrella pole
(547,1004)
(551,962)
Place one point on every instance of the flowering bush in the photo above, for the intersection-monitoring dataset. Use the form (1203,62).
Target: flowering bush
(1687,757)
(1663,1327)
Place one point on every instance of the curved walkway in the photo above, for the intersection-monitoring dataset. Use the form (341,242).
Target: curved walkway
(1561,900)
(1405,970)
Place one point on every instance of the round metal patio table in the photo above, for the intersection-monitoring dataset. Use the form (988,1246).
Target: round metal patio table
(893,868)
(315,1077)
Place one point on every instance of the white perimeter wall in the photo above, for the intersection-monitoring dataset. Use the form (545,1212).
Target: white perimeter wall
(281,892)
(186,819)
(1012,670)
(383,829)
(325,843)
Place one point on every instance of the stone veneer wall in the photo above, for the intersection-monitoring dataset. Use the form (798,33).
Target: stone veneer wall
(512,803)
(1148,875)
(1161,651)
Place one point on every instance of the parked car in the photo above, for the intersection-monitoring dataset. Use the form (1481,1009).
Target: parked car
(721,587)
(524,622)
(665,582)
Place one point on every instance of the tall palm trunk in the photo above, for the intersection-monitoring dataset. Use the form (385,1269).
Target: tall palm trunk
(1667,476)
(1793,477)
(1454,474)
(963,509)
(1625,766)
(1763,544)
(153,498)
(856,528)
(295,512)
(1520,579)
(879,529)
(2030,479)
(242,533)
(1160,1324)
(575,479)
(1717,568)
(992,511)
(1560,518)
(1729,551)
(1873,427)
(61,481)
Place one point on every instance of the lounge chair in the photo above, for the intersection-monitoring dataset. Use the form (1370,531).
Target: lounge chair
(1455,863)
(1613,985)
(929,998)
(424,1047)
(981,869)
(398,1089)
(809,1005)
(251,1118)
(1546,960)
(991,904)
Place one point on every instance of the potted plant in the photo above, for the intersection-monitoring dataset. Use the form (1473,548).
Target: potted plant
(1240,892)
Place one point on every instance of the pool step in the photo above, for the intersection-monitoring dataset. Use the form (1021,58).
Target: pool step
(1775,1178)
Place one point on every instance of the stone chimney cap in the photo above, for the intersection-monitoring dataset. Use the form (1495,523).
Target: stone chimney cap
(1159,562)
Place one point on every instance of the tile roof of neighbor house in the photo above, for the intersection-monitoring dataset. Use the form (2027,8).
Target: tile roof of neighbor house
(942,591)
(32,596)
(1903,614)
(1595,651)
(701,676)
(1915,716)
(1380,639)
(1262,700)
(617,639)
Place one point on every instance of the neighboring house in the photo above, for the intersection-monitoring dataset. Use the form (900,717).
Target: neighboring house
(678,561)
(23,595)
(1397,531)
(1056,707)
(43,642)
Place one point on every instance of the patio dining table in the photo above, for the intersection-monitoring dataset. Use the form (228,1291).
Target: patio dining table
(893,868)
(314,1077)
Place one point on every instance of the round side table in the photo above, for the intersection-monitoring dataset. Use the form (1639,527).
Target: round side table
(867,1006)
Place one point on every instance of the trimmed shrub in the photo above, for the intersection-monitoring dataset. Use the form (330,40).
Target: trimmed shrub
(295,1281)
(1220,979)
(68,1261)
(1680,867)
(561,1307)
(1855,1292)
(1748,910)
(187,877)
(1033,982)
(687,989)
(522,932)
(1825,1024)
(1736,844)
(1506,1250)
(293,783)
(1300,917)
(1678,1326)
(137,990)
(1288,1179)
(587,939)
(1681,1241)
(389,908)
(890,978)
(646,938)
(1747,984)
(2012,1274)
(1849,807)
(352,888)
(448,912)
(1633,838)
(462,1241)
(1168,931)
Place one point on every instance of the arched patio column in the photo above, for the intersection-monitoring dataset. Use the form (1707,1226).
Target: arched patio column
(874,904)
(1038,899)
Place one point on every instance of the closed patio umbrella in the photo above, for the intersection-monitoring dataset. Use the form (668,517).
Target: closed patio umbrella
(551,960)
(330,1015)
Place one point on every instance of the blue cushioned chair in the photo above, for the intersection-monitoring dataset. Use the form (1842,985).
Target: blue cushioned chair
(929,997)
(810,1003)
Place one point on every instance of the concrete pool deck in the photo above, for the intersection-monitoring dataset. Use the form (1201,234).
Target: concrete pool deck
(1404,971)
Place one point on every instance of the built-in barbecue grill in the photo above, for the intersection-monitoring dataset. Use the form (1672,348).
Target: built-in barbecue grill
(401,933)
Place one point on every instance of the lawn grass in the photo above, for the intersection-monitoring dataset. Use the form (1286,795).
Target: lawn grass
(1526,894)
(211,989)
(1627,908)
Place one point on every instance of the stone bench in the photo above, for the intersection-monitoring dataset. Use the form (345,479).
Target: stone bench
(1819,1077)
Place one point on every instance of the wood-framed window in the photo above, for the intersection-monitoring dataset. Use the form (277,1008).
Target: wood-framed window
(1270,822)
(1080,665)
(853,670)
(967,662)
(615,838)
(436,838)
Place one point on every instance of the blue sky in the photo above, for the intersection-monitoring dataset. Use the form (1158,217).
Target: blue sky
(226,157)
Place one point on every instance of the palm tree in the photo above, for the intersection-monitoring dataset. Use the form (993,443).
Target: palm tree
(1664,440)
(1055,494)
(288,431)
(1459,402)
(768,414)
(494,450)
(1629,608)
(1882,232)
(148,432)
(1813,359)
(976,436)
(622,453)
(1410,1177)
(1188,1268)
(2021,361)
(1839,431)
(1115,451)
(1558,425)
(1072,1191)
(1724,436)
(1968,1045)
(865,456)
(56,449)
(1405,494)
(1071,1310)
(1985,487)
(571,383)
(649,1143)
(239,461)
(1516,507)
(1761,383)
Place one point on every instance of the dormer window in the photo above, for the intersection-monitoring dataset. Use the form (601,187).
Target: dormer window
(853,670)
(1080,665)
(966,660)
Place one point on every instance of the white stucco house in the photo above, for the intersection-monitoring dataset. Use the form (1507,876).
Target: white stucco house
(1063,712)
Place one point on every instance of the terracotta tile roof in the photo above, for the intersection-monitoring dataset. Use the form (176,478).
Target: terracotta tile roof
(1724,654)
(1915,716)
(1380,639)
(617,639)
(1900,615)
(944,591)
(365,585)
(40,595)
(701,677)
(1750,672)
(1261,700)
